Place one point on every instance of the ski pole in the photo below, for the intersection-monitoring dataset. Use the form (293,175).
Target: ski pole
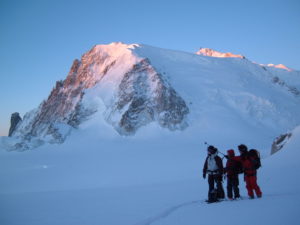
(221,153)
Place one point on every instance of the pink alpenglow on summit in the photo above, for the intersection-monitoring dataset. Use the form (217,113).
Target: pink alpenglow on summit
(280,66)
(213,53)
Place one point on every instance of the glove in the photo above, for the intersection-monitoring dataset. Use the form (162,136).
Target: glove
(204,175)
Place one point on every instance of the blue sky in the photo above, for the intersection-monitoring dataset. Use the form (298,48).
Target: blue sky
(40,39)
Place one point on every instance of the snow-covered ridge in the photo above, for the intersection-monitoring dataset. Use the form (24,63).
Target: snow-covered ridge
(214,53)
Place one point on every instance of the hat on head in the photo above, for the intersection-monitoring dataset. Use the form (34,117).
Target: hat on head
(230,153)
(211,149)
(243,148)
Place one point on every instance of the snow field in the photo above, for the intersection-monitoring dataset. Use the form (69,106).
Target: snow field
(143,182)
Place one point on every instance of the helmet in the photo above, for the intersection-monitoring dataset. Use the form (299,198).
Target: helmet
(243,148)
(230,153)
(211,149)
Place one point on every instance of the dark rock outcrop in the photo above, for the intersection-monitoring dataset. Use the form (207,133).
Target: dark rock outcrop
(279,142)
(292,89)
(14,121)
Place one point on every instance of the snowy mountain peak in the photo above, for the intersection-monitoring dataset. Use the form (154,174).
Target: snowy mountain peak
(280,66)
(115,49)
(127,87)
(214,53)
(114,80)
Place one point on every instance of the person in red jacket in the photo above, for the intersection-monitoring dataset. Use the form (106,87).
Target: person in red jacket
(213,166)
(250,173)
(232,170)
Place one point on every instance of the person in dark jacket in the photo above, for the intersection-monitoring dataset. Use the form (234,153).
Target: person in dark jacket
(232,170)
(213,166)
(250,173)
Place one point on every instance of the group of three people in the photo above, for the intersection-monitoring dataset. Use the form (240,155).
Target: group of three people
(244,163)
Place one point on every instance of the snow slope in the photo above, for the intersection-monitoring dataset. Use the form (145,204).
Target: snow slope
(150,181)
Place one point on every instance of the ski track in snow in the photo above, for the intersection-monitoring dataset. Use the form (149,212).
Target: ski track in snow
(166,213)
(172,209)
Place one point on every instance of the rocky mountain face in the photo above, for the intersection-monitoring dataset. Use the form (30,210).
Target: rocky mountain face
(146,96)
(139,95)
(14,121)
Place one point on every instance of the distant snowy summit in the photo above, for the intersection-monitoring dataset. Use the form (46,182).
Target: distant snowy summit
(280,66)
(130,86)
(214,53)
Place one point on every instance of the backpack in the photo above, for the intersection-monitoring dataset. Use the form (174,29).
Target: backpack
(255,158)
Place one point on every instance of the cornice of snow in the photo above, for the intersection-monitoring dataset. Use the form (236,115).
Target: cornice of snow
(213,53)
